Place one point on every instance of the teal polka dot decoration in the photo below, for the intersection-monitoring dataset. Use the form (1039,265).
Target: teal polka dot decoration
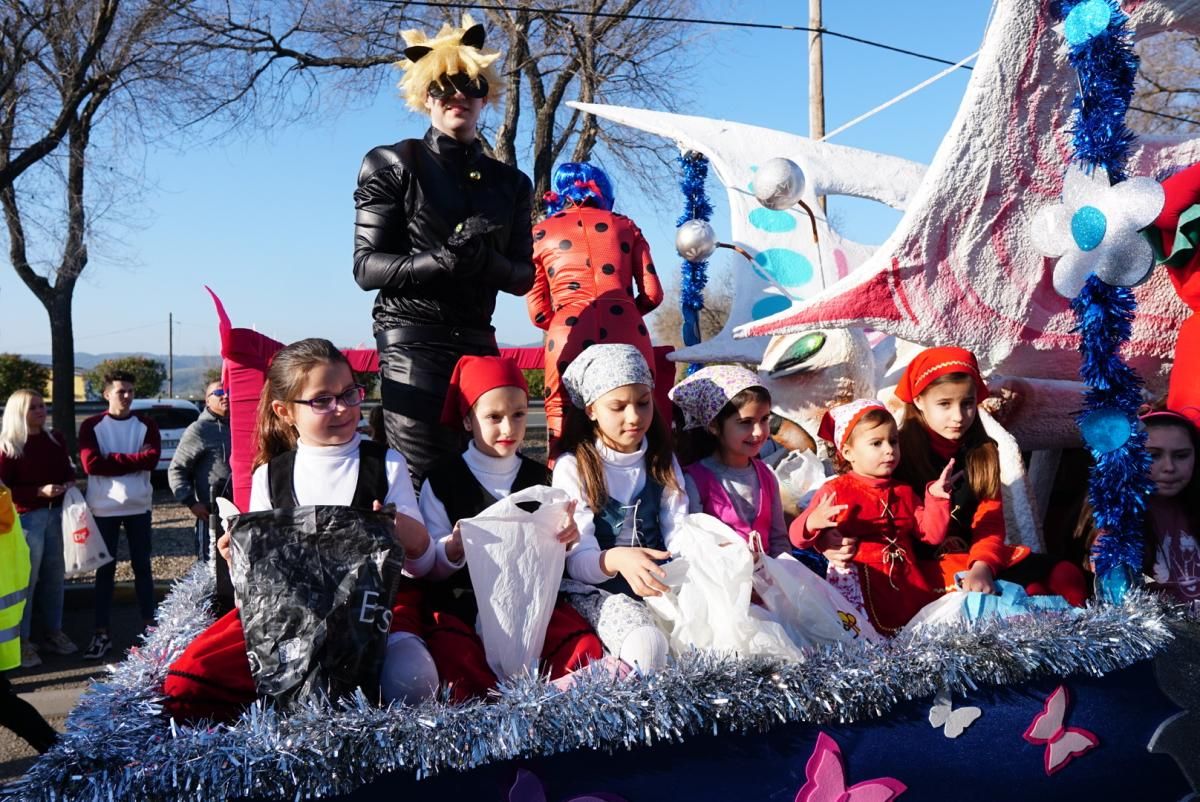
(1088,225)
(1087,20)
(771,221)
(789,268)
(770,305)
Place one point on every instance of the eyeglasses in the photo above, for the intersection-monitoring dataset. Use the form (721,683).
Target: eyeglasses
(220,392)
(324,404)
(449,85)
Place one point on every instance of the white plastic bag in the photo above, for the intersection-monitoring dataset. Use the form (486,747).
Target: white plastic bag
(516,565)
(810,610)
(83,548)
(708,606)
(800,475)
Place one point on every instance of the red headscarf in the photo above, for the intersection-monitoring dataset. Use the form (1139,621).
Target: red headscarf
(473,376)
(933,363)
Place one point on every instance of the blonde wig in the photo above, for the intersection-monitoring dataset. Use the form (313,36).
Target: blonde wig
(452,51)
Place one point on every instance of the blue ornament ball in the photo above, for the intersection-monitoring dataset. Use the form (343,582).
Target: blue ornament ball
(1088,226)
(1086,21)
(1105,430)
(1112,585)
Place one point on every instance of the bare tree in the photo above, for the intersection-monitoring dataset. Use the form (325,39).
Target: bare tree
(666,322)
(126,70)
(1168,82)
(604,51)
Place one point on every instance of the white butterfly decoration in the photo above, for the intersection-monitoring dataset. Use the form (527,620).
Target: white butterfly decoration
(954,721)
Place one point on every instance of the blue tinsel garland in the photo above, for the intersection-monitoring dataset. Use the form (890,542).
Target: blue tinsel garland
(694,274)
(1119,483)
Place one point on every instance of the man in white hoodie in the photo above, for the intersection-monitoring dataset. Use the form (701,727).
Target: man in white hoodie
(118,450)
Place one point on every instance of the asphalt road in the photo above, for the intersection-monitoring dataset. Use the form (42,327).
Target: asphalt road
(55,686)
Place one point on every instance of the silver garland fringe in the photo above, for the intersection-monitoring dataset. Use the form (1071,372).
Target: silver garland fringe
(118,745)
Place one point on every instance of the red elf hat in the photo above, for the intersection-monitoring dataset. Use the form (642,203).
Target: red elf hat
(473,376)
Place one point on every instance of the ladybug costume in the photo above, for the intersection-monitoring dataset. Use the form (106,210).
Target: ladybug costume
(588,262)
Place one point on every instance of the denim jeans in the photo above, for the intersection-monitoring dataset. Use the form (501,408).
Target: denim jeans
(137,531)
(43,533)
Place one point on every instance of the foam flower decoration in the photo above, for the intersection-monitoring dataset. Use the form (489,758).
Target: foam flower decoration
(1095,230)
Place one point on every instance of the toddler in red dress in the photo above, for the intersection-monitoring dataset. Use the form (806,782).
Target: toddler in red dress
(873,519)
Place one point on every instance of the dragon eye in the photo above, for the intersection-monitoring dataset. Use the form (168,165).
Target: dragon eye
(798,353)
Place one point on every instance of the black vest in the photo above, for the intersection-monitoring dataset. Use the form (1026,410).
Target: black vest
(463,496)
(372,477)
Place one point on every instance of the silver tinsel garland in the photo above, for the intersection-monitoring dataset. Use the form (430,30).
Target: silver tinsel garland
(119,745)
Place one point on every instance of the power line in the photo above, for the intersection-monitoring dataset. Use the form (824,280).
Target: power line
(719,23)
(762,26)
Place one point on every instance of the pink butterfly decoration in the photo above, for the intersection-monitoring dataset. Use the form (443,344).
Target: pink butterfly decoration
(528,788)
(826,775)
(1063,743)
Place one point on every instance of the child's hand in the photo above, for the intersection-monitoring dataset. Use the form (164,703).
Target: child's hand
(979,579)
(223,548)
(409,533)
(454,546)
(944,484)
(569,535)
(839,549)
(825,514)
(638,566)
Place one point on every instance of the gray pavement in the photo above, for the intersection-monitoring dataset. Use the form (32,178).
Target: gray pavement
(55,686)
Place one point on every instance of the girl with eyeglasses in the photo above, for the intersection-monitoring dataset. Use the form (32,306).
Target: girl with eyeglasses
(309,449)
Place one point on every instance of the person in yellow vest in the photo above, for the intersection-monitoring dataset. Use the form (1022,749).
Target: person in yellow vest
(15,713)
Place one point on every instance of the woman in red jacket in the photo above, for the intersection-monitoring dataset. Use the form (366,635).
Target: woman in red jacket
(35,465)
(588,261)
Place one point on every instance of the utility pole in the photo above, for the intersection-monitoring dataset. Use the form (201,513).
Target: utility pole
(816,77)
(170,354)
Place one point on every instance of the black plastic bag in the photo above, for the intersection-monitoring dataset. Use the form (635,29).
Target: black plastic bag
(314,587)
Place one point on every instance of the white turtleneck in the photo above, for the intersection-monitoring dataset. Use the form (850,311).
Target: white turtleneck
(329,475)
(624,477)
(495,474)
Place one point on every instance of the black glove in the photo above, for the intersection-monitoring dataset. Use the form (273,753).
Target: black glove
(468,243)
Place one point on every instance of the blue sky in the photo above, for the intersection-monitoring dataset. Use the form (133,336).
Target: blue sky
(266,220)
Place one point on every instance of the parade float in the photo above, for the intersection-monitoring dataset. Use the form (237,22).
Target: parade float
(1088,704)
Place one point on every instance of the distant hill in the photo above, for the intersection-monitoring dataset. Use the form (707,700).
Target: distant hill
(189,370)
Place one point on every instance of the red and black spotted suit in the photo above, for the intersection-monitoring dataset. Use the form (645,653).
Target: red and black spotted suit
(587,262)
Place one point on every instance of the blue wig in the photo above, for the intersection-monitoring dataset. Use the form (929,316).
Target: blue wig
(581,184)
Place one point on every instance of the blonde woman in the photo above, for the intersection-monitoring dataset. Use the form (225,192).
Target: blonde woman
(35,465)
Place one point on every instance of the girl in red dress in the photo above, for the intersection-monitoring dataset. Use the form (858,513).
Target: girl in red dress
(942,388)
(588,262)
(874,517)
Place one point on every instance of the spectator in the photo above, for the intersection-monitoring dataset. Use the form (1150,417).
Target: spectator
(35,465)
(118,450)
(200,468)
(15,713)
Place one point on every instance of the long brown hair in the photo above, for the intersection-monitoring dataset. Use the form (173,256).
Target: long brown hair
(285,379)
(917,457)
(579,438)
(693,445)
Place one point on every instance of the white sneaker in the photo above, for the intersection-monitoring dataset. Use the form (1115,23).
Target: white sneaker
(29,656)
(59,643)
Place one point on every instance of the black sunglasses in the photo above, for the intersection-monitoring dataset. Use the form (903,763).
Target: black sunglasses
(220,392)
(451,84)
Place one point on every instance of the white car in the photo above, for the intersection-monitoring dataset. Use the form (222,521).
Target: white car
(172,416)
